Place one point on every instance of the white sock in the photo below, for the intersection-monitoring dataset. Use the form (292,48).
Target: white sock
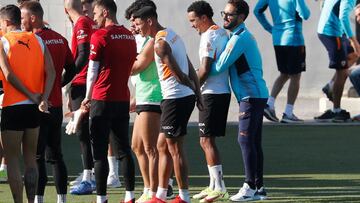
(171,182)
(117,168)
(146,190)
(3,167)
(212,179)
(129,195)
(61,198)
(161,193)
(217,173)
(152,193)
(184,195)
(112,165)
(271,102)
(289,110)
(87,175)
(100,198)
(39,199)
(336,110)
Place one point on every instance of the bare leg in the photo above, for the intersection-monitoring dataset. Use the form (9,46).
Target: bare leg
(165,162)
(338,88)
(212,154)
(149,131)
(176,150)
(279,84)
(138,148)
(11,141)
(293,89)
(30,140)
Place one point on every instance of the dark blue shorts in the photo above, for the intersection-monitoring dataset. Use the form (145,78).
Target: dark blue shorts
(338,49)
(290,59)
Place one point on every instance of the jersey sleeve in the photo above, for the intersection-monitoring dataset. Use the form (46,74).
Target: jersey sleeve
(83,32)
(97,44)
(259,12)
(207,47)
(346,7)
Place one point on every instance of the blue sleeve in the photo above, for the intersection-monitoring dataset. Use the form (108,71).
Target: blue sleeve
(259,10)
(233,50)
(302,9)
(346,7)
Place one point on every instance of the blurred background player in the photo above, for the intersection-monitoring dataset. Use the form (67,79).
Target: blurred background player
(289,48)
(343,49)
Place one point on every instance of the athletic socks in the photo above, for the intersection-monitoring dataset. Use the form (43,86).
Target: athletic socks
(289,110)
(100,198)
(112,165)
(336,110)
(87,175)
(61,198)
(271,102)
(212,179)
(161,193)
(3,167)
(129,195)
(184,195)
(171,182)
(39,199)
(217,174)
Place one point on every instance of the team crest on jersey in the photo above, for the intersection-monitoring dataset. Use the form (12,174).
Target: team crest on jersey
(81,34)
(343,63)
(209,47)
(92,47)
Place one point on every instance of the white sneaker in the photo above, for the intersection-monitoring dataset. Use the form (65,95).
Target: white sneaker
(113,181)
(78,180)
(245,194)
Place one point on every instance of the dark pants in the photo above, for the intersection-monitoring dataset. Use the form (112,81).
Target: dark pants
(249,137)
(114,116)
(77,95)
(49,148)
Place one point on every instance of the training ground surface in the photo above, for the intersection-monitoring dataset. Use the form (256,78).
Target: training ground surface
(303,163)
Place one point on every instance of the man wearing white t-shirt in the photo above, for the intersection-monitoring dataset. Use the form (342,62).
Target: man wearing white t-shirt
(216,96)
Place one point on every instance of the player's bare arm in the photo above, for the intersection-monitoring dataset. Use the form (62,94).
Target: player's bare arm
(195,79)
(163,50)
(204,69)
(144,59)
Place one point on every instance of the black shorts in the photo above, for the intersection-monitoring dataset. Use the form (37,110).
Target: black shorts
(49,142)
(290,59)
(175,115)
(148,108)
(106,116)
(20,117)
(338,49)
(212,120)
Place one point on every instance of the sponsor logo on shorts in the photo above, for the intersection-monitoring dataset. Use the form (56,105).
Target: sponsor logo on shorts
(201,124)
(343,63)
(167,127)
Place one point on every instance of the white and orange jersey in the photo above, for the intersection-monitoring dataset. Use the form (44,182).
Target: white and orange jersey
(212,44)
(170,87)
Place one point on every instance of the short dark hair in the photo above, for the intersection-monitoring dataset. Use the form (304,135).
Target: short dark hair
(201,8)
(12,13)
(87,1)
(136,5)
(23,1)
(241,7)
(145,12)
(108,4)
(34,7)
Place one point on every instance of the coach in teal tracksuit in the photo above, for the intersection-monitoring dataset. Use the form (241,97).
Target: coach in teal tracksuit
(289,48)
(243,59)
